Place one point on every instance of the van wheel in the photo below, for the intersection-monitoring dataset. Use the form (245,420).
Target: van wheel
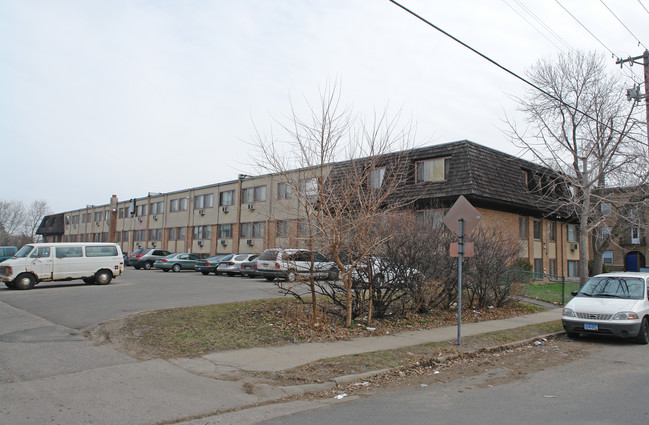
(103,277)
(25,281)
(643,335)
(291,276)
(147,266)
(175,268)
(10,285)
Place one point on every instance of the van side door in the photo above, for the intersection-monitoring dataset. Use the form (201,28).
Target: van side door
(69,263)
(41,263)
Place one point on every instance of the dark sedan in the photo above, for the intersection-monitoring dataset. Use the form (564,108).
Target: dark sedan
(177,262)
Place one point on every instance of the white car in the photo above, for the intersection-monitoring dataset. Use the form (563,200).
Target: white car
(610,304)
(290,264)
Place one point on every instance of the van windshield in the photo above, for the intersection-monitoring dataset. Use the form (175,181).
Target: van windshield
(24,251)
(613,287)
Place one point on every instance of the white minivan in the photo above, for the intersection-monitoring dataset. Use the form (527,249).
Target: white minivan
(94,262)
(615,304)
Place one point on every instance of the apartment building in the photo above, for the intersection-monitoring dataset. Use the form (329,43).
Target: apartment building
(252,213)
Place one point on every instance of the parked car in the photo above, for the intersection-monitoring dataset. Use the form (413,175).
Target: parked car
(249,268)
(7,252)
(610,304)
(232,265)
(176,262)
(146,257)
(290,264)
(93,262)
(209,265)
(383,271)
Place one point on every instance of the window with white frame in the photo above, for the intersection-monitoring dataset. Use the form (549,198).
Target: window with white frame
(245,230)
(225,231)
(573,268)
(258,229)
(173,205)
(247,195)
(226,198)
(183,204)
(635,235)
(283,191)
(607,257)
(376,178)
(157,208)
(204,201)
(283,228)
(202,232)
(260,194)
(432,170)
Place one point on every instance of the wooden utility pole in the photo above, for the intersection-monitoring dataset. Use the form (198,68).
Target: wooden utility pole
(635,93)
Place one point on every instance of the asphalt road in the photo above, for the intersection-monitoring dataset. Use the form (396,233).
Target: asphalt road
(76,305)
(608,386)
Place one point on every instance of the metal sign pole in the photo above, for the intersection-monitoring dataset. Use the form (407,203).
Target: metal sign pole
(459,279)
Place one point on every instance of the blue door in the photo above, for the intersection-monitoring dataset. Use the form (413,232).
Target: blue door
(632,262)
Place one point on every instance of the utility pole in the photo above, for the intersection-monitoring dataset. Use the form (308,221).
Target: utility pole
(634,93)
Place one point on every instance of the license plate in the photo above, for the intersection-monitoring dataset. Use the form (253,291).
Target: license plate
(590,327)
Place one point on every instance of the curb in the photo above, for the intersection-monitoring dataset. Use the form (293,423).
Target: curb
(345,380)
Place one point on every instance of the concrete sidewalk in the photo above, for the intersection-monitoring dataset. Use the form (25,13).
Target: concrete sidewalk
(288,356)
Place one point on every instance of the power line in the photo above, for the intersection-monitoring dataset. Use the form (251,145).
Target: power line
(645,9)
(546,26)
(620,21)
(533,26)
(512,73)
(584,27)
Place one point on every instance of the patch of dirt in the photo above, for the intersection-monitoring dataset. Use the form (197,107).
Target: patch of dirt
(464,371)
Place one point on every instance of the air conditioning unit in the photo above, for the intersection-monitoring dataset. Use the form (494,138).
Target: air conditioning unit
(96,223)
(201,212)
(250,242)
(153,244)
(574,247)
(224,242)
(251,207)
(155,217)
(200,243)
(225,209)
(138,219)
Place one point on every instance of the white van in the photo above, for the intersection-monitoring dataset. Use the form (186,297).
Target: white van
(96,263)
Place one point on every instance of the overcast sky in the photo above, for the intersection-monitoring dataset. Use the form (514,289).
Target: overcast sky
(129,97)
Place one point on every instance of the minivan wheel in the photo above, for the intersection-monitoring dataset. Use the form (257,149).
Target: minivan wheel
(291,276)
(175,268)
(147,266)
(25,281)
(103,277)
(643,335)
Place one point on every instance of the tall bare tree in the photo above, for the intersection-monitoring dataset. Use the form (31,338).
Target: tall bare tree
(581,126)
(18,224)
(341,207)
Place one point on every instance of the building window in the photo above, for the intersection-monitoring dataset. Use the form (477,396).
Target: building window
(635,235)
(606,233)
(157,208)
(552,267)
(552,232)
(283,191)
(309,187)
(141,210)
(203,201)
(573,233)
(606,209)
(537,230)
(247,195)
(120,214)
(538,268)
(258,229)
(98,216)
(283,228)
(573,268)
(253,194)
(124,236)
(183,204)
(246,230)
(173,205)
(226,198)
(607,257)
(202,232)
(155,234)
(182,233)
(433,218)
(172,234)
(376,178)
(522,228)
(225,231)
(432,170)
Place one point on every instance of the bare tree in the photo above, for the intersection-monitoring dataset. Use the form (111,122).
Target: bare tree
(581,126)
(33,217)
(18,224)
(341,204)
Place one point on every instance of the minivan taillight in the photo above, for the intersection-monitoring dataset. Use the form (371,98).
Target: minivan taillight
(277,266)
